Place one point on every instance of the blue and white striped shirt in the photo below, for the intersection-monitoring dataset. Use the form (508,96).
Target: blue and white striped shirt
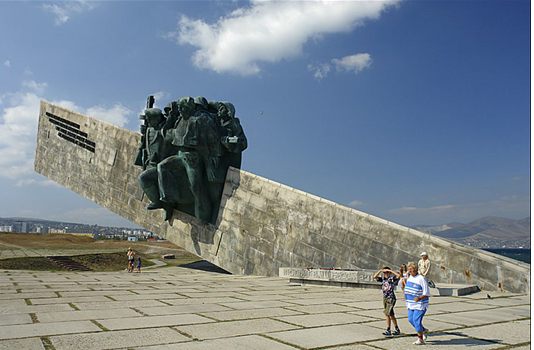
(415,287)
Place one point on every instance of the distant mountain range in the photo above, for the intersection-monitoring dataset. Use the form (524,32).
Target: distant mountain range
(486,228)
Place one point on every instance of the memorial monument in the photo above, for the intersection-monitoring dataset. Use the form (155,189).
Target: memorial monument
(180,179)
(185,154)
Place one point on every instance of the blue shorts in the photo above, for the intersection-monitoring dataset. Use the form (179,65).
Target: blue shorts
(416,319)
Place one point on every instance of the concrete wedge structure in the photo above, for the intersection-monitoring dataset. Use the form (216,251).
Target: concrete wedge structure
(262,225)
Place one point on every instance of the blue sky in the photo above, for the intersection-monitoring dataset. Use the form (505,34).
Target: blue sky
(417,112)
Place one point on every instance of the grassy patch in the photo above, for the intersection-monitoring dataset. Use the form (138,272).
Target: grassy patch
(30,263)
(96,262)
(109,262)
(97,255)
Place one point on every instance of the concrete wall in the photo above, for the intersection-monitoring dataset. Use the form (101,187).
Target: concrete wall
(262,225)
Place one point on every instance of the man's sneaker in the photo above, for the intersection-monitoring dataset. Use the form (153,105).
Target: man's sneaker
(425,332)
(387,333)
(419,342)
(397,332)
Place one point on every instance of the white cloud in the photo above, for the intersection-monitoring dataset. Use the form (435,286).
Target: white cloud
(432,209)
(117,115)
(355,203)
(7,63)
(354,63)
(31,85)
(18,129)
(269,31)
(64,10)
(161,95)
(320,70)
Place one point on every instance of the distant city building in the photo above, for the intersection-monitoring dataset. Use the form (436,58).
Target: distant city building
(133,239)
(57,230)
(6,228)
(20,226)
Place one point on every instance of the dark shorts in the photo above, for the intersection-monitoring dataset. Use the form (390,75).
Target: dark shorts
(389,303)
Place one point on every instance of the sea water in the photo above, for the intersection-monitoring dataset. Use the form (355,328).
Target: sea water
(521,254)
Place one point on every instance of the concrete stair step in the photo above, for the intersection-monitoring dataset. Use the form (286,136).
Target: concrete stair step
(68,263)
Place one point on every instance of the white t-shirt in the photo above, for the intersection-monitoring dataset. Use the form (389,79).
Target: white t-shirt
(415,287)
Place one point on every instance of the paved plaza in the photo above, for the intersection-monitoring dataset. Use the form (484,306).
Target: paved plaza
(184,308)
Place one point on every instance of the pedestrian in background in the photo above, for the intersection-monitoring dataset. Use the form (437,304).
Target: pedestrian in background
(131,257)
(424,268)
(403,276)
(139,265)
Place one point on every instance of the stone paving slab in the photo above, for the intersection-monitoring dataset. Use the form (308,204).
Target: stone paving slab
(316,320)
(192,301)
(153,321)
(353,347)
(62,300)
(79,315)
(246,342)
(15,319)
(118,304)
(46,329)
(316,301)
(234,328)
(439,341)
(28,295)
(243,305)
(181,309)
(472,318)
(508,333)
(249,314)
(31,309)
(91,293)
(321,309)
(265,297)
(458,307)
(211,295)
(501,302)
(328,336)
(379,314)
(178,291)
(118,339)
(406,328)
(521,311)
(22,344)
(146,296)
(366,305)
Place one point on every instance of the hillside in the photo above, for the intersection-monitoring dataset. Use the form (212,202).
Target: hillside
(485,228)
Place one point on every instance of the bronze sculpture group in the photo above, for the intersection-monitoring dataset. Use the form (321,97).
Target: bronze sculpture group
(185,153)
